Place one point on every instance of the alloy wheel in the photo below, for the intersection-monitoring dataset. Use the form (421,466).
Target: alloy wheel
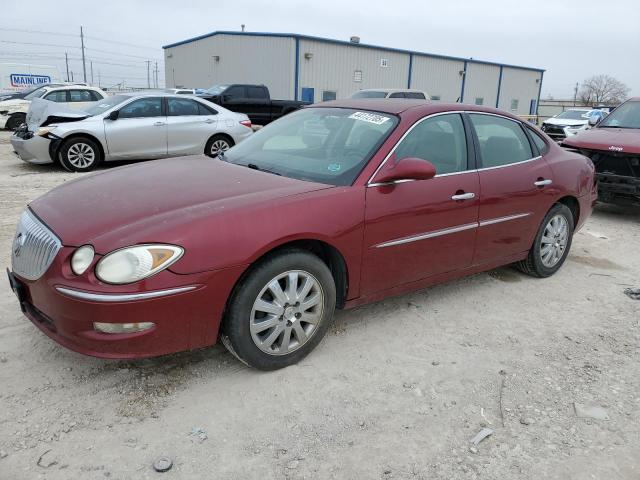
(219,146)
(286,312)
(554,241)
(81,155)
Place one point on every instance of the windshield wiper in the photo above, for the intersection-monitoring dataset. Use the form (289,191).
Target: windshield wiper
(615,126)
(253,166)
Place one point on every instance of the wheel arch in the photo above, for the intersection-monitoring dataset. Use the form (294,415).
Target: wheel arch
(572,203)
(218,134)
(54,154)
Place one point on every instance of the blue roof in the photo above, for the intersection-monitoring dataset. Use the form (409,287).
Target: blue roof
(351,44)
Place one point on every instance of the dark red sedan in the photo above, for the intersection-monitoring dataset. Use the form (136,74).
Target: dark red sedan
(333,206)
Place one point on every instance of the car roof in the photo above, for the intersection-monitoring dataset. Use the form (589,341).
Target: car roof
(397,106)
(156,93)
(71,86)
(390,90)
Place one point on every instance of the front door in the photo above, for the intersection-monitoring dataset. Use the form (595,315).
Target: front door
(421,228)
(140,130)
(189,125)
(516,185)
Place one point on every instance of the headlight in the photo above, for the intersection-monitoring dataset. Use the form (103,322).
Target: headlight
(131,264)
(81,259)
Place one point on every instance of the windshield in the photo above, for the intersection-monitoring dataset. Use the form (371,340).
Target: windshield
(325,145)
(574,115)
(37,93)
(626,115)
(106,104)
(216,89)
(369,94)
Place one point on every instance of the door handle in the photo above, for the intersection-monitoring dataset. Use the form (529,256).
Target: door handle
(158,124)
(542,182)
(463,196)
(209,120)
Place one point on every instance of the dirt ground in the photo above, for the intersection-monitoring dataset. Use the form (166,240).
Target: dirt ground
(396,390)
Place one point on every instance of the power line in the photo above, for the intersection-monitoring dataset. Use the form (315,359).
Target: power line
(39,44)
(43,32)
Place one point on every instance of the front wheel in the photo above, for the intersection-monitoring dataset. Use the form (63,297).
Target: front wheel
(280,311)
(80,154)
(551,245)
(217,144)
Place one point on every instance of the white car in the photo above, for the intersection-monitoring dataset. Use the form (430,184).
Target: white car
(570,122)
(130,126)
(391,93)
(13,112)
(180,91)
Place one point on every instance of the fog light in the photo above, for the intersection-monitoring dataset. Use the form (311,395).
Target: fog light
(122,327)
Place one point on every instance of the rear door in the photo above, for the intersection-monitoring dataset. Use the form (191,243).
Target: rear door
(417,229)
(515,184)
(140,130)
(189,126)
(82,98)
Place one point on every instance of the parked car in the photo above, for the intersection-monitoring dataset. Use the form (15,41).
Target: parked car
(391,93)
(252,100)
(127,127)
(570,122)
(10,95)
(13,112)
(260,248)
(613,144)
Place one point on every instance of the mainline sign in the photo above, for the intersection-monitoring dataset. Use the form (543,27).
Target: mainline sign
(27,80)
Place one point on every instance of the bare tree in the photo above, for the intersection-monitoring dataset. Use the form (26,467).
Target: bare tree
(603,89)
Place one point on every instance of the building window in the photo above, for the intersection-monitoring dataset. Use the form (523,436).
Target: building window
(384,62)
(435,97)
(357,76)
(514,105)
(328,95)
(479,101)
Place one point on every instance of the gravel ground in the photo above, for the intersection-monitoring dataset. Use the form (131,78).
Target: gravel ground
(396,390)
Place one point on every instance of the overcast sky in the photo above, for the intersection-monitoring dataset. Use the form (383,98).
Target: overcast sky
(572,40)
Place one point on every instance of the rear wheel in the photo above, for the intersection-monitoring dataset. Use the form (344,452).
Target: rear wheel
(280,311)
(551,245)
(217,144)
(80,154)
(15,121)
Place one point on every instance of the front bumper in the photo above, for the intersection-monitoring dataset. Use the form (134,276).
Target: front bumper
(186,311)
(32,150)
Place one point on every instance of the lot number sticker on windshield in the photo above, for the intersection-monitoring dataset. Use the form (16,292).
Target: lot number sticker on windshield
(369,117)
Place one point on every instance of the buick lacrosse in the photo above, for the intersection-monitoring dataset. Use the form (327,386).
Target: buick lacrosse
(336,205)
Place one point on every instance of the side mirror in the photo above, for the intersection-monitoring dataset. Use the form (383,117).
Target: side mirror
(593,120)
(406,169)
(113,115)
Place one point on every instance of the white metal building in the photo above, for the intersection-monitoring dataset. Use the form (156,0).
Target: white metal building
(309,68)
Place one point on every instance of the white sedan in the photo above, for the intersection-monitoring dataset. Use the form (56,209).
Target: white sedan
(131,126)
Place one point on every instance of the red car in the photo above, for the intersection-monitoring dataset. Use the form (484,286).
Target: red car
(336,205)
(614,147)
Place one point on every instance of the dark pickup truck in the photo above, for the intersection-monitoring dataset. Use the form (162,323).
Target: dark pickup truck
(252,100)
(613,145)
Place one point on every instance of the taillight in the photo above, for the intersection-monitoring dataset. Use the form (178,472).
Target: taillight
(246,123)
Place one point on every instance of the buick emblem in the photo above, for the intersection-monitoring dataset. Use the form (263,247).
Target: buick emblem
(18,243)
(614,148)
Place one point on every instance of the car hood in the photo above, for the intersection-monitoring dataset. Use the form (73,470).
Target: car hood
(623,140)
(158,201)
(44,112)
(565,121)
(14,103)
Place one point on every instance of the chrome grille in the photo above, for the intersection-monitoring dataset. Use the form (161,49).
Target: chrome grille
(34,247)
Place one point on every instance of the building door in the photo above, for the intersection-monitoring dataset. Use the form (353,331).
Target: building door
(308,94)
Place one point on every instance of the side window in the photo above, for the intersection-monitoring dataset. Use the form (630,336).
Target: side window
(440,140)
(539,141)
(95,96)
(236,91)
(144,107)
(80,96)
(256,92)
(502,141)
(181,106)
(205,109)
(397,95)
(59,96)
(418,95)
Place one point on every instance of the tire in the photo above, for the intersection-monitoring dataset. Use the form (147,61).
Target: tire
(550,251)
(80,154)
(217,143)
(15,121)
(246,325)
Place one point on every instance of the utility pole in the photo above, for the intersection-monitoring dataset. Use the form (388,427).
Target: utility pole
(72,76)
(575,94)
(91,63)
(99,79)
(148,81)
(84,66)
(66,60)
(157,83)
